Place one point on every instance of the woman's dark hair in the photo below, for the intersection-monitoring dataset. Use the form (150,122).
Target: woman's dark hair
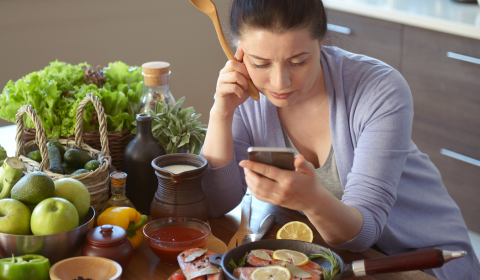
(278,16)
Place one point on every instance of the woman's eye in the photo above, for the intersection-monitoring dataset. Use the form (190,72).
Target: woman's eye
(259,66)
(299,63)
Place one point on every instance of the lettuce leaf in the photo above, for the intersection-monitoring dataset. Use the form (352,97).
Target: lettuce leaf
(3,153)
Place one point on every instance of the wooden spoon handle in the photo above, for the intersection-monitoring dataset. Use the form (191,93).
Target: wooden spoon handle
(252,90)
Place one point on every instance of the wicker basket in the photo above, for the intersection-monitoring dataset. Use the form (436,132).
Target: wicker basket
(117,142)
(97,181)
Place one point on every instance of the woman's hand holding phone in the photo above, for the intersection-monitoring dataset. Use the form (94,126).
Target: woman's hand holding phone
(232,86)
(291,189)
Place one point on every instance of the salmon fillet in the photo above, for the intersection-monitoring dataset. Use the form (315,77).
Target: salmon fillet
(201,262)
(255,261)
(245,273)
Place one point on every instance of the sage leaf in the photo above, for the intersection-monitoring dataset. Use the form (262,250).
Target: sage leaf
(261,255)
(195,255)
(297,271)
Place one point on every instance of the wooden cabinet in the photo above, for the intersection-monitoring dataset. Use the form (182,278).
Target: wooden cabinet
(378,39)
(445,90)
(443,72)
(461,178)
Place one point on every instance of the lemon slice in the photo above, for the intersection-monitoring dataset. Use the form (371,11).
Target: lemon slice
(296,231)
(274,272)
(290,256)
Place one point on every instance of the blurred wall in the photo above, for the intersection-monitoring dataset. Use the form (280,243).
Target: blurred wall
(33,33)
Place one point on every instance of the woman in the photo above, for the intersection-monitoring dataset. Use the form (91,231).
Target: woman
(360,179)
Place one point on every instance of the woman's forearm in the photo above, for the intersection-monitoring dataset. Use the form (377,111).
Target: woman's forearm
(336,222)
(218,145)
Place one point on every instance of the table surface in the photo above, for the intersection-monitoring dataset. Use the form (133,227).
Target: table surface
(146,265)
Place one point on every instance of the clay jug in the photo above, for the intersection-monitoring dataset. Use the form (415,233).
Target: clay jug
(180,194)
(139,153)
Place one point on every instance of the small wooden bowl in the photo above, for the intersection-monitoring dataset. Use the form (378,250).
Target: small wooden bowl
(86,267)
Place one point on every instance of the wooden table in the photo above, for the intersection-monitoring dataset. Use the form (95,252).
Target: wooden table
(146,265)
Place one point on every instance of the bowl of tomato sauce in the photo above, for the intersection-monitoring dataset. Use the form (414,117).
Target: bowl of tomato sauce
(168,237)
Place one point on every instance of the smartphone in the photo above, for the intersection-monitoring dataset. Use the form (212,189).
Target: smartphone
(279,157)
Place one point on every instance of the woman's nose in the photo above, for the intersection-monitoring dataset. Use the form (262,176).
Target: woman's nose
(280,78)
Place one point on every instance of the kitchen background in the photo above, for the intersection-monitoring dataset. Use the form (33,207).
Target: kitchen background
(435,44)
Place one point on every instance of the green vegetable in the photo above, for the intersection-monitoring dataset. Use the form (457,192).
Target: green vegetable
(3,153)
(35,155)
(177,129)
(32,267)
(332,259)
(241,262)
(80,171)
(10,173)
(77,158)
(60,147)
(67,169)
(92,165)
(55,92)
(55,159)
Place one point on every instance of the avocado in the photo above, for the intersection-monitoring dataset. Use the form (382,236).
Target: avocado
(58,145)
(92,165)
(77,158)
(35,155)
(55,160)
(33,188)
(80,171)
(67,169)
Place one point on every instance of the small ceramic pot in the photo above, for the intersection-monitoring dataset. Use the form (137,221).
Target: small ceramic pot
(109,242)
(180,194)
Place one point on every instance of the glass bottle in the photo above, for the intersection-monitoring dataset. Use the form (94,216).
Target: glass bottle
(142,182)
(118,181)
(156,80)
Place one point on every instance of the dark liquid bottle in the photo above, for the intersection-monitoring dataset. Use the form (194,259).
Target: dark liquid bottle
(142,182)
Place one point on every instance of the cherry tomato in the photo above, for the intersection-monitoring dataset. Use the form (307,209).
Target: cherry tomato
(178,276)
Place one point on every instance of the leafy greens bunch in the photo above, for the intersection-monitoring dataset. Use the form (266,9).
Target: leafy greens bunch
(177,129)
(55,92)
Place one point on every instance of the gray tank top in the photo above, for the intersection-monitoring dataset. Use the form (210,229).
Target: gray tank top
(327,173)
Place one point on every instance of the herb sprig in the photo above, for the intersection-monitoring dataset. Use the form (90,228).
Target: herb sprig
(332,259)
(241,262)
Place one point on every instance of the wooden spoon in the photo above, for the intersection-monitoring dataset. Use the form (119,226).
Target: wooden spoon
(215,244)
(208,7)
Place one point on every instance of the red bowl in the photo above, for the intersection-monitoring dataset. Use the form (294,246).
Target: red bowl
(168,237)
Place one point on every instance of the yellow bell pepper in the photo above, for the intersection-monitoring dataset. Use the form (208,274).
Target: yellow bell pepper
(126,218)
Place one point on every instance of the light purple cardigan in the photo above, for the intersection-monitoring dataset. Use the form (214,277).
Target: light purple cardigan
(397,188)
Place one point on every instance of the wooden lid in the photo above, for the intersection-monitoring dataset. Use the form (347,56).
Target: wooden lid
(155,73)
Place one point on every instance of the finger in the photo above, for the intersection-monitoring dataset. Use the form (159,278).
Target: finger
(227,89)
(239,53)
(266,170)
(260,187)
(233,65)
(234,78)
(302,165)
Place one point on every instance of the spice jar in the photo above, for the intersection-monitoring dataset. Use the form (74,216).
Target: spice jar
(156,80)
(109,242)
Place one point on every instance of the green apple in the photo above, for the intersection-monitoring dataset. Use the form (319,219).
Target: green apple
(53,215)
(14,217)
(75,192)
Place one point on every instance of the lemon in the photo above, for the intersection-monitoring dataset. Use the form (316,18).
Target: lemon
(290,256)
(296,231)
(274,272)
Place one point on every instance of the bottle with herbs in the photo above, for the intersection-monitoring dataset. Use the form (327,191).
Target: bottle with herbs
(156,78)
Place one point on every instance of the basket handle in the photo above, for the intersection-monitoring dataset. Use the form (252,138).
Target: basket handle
(102,119)
(40,136)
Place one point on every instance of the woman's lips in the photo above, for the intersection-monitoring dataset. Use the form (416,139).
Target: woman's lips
(281,95)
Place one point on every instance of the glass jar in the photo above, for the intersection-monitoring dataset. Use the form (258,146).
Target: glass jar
(156,79)
(118,181)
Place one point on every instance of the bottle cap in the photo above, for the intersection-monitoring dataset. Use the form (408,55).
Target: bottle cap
(118,179)
(155,73)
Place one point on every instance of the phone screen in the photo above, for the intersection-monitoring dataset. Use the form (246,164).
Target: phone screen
(279,157)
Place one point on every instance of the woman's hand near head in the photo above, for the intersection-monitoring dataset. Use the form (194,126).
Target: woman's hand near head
(301,190)
(232,85)
(231,91)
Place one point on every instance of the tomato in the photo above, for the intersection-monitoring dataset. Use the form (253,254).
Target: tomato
(178,276)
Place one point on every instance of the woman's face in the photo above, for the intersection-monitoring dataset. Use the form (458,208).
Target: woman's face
(285,67)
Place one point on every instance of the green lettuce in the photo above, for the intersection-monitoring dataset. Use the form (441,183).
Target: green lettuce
(3,153)
(56,91)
